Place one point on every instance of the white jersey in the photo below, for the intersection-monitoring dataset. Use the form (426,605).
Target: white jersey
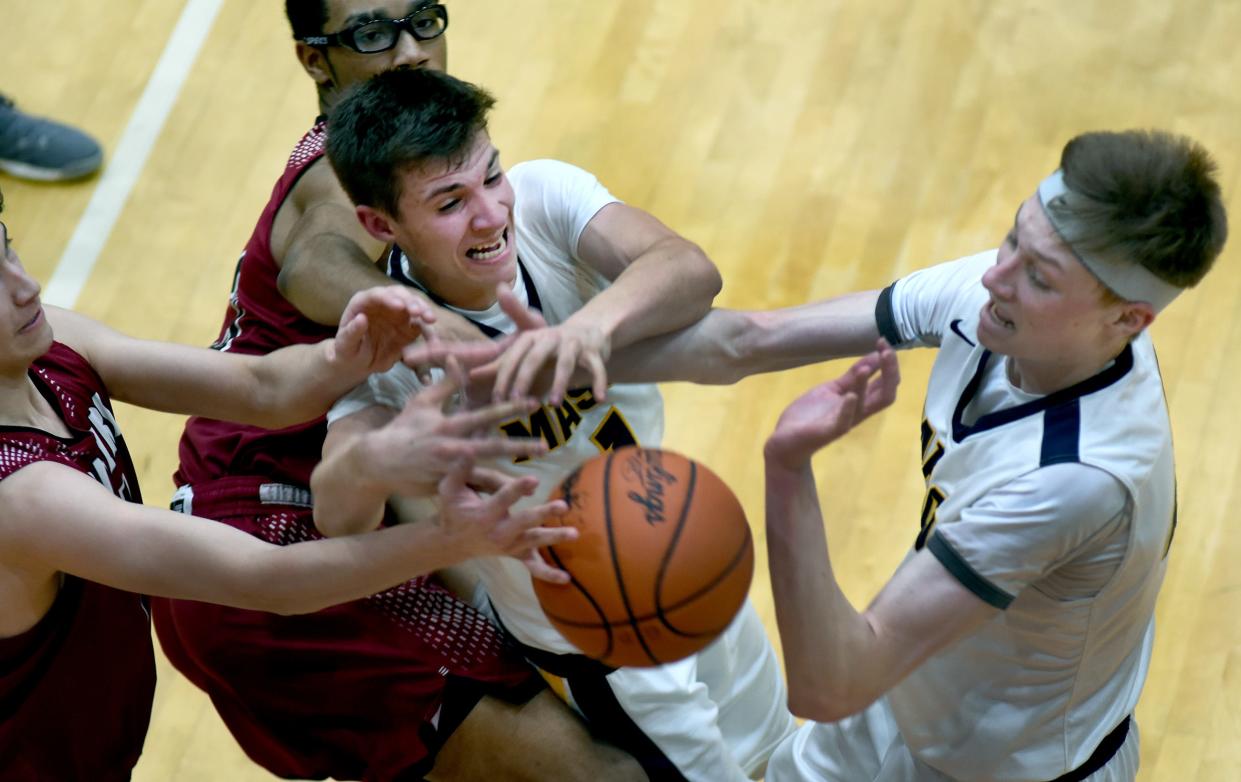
(1059,510)
(553,203)
(716,716)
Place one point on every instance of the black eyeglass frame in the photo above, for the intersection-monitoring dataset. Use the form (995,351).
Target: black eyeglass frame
(346,39)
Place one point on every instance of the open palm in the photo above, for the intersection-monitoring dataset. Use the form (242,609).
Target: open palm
(827,411)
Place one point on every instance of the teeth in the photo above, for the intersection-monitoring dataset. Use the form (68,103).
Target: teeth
(488,251)
(995,314)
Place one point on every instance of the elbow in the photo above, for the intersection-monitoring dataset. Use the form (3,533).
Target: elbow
(822,706)
(707,274)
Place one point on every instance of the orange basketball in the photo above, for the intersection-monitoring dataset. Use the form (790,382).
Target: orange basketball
(662,564)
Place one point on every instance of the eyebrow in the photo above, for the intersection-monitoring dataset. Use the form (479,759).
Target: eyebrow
(451,186)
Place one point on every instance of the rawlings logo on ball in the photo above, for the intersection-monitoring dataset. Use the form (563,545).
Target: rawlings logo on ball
(644,467)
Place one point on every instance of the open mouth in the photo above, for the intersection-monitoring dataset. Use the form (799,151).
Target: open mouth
(998,318)
(489,251)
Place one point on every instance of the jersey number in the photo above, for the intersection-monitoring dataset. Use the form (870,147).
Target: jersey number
(932,452)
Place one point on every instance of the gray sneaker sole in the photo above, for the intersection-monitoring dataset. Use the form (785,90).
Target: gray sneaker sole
(77,170)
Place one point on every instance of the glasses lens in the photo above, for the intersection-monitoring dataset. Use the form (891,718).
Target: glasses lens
(375,36)
(429,22)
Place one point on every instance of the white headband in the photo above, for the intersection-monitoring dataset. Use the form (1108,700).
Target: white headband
(1131,281)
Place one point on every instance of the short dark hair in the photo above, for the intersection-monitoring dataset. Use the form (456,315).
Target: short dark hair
(397,121)
(306,17)
(1150,197)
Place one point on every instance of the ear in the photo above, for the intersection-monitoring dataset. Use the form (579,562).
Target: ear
(1133,317)
(314,62)
(376,223)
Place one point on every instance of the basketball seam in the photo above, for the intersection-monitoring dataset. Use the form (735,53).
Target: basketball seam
(603,617)
(686,502)
(616,567)
(688,599)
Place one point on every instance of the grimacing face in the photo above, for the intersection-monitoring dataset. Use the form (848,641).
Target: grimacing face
(1046,311)
(455,223)
(337,68)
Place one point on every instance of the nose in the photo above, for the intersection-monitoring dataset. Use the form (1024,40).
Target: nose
(24,288)
(409,52)
(492,215)
(997,279)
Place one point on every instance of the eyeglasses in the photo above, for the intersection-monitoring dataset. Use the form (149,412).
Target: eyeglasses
(380,35)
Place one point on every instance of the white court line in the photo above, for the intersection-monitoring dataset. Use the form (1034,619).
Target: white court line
(126,164)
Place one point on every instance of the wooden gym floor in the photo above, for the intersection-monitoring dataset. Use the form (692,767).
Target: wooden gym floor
(811,146)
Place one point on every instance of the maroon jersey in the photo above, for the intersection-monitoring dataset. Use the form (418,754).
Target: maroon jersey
(260,320)
(76,689)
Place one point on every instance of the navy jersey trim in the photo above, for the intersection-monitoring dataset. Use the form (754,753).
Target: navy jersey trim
(885,318)
(1061,433)
(396,270)
(960,430)
(970,579)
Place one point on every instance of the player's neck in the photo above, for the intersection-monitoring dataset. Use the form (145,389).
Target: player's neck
(1044,378)
(21,404)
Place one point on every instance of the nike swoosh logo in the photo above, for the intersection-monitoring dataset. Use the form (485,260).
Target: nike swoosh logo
(956,329)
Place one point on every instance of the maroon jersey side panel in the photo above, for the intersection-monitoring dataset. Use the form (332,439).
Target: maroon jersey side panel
(76,689)
(259,320)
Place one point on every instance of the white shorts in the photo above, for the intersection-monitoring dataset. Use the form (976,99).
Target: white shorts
(714,717)
(868,747)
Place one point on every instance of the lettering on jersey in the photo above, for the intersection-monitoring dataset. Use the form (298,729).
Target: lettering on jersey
(646,468)
(538,425)
(930,508)
(613,433)
(233,329)
(932,449)
(555,424)
(932,452)
(107,434)
(582,398)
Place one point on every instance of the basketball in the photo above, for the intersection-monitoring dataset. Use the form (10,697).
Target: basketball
(662,563)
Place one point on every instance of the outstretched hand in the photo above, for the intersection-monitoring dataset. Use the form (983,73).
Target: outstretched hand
(423,442)
(377,325)
(826,412)
(485,525)
(538,356)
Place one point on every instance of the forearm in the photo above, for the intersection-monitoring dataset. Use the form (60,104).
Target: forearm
(728,345)
(305,577)
(346,502)
(668,287)
(829,648)
(294,384)
(320,274)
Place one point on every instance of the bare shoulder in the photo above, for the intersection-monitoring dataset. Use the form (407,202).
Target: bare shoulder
(83,334)
(317,204)
(28,496)
(317,186)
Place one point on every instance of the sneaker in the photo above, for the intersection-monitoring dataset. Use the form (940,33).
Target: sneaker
(43,150)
